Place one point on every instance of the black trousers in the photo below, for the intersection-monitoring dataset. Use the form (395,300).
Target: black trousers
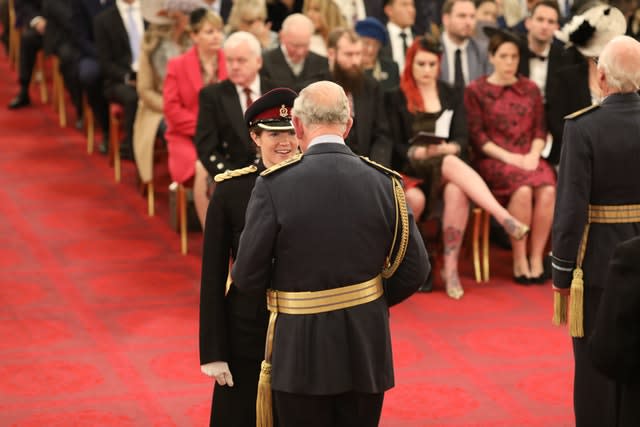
(30,44)
(594,395)
(90,77)
(236,406)
(343,410)
(127,96)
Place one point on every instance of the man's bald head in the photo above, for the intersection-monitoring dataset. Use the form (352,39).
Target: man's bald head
(295,36)
(321,108)
(619,62)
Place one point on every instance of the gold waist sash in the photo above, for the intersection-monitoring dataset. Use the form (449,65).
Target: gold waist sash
(598,214)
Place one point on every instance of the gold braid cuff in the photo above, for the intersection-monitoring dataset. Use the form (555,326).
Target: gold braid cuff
(402,222)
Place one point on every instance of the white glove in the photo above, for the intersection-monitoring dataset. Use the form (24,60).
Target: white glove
(218,370)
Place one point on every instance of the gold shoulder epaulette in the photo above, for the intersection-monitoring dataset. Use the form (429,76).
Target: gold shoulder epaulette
(378,166)
(284,164)
(581,112)
(234,173)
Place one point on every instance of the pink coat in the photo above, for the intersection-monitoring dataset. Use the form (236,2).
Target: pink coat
(180,94)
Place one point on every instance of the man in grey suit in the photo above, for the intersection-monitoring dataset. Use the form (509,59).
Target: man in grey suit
(319,233)
(464,58)
(291,64)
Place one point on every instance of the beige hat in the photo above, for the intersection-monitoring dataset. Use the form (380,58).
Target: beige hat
(153,11)
(593,29)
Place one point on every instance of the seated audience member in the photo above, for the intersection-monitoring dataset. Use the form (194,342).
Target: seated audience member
(222,139)
(353,11)
(464,59)
(204,64)
(87,66)
(291,64)
(418,105)
(164,38)
(401,15)
(326,16)
(278,10)
(251,16)
(219,7)
(232,346)
(575,85)
(118,31)
(369,135)
(486,16)
(374,36)
(30,19)
(506,129)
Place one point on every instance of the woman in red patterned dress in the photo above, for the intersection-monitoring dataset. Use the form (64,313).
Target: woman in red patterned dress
(507,132)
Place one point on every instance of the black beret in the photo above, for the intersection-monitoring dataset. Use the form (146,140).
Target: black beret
(272,111)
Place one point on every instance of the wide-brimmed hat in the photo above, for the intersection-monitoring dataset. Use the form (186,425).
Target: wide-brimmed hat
(590,31)
(272,111)
(154,12)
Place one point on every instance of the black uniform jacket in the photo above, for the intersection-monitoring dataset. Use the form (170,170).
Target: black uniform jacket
(222,138)
(232,326)
(324,223)
(615,343)
(599,166)
(401,121)
(276,69)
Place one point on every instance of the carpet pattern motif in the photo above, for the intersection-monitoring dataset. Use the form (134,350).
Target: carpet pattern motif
(99,310)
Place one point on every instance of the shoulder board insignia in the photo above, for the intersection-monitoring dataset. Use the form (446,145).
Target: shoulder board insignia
(284,164)
(378,166)
(234,173)
(581,112)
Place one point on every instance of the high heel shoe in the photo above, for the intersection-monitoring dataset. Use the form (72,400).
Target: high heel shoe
(453,285)
(515,228)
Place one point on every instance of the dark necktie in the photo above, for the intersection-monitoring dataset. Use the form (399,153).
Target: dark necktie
(403,36)
(247,91)
(458,79)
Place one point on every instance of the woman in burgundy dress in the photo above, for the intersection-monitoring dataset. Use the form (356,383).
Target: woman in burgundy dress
(507,132)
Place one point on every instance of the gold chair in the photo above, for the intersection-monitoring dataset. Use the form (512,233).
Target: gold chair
(480,237)
(115,119)
(57,92)
(181,205)
(14,38)
(89,123)
(40,78)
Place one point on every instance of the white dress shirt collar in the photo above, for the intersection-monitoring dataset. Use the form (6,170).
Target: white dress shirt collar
(255,93)
(326,139)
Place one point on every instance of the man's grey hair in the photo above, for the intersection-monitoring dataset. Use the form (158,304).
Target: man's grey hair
(239,37)
(297,20)
(620,62)
(322,103)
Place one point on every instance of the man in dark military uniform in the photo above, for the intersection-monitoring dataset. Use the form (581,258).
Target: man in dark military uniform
(615,342)
(233,325)
(331,235)
(597,207)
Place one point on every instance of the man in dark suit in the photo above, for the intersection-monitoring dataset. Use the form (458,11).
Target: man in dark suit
(87,67)
(222,139)
(370,135)
(28,17)
(319,231)
(291,64)
(597,207)
(615,343)
(118,32)
(401,15)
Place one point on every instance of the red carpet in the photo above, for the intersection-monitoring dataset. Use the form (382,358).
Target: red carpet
(99,310)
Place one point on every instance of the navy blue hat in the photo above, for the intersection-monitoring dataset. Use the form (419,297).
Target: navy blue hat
(371,27)
(272,111)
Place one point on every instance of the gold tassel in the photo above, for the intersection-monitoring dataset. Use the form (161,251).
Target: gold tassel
(560,303)
(264,409)
(576,305)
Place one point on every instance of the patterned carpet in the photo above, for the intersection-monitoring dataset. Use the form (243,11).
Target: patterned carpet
(99,309)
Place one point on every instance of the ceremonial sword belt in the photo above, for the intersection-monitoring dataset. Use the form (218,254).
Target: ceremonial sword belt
(598,214)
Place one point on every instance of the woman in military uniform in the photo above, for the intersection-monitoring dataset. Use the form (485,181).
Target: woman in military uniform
(233,325)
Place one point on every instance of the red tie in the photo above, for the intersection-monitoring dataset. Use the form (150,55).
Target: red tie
(247,91)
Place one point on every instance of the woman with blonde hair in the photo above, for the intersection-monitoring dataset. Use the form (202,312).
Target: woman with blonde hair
(251,16)
(325,15)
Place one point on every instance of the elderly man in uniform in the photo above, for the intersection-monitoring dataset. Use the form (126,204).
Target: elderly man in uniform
(331,236)
(597,207)
(233,325)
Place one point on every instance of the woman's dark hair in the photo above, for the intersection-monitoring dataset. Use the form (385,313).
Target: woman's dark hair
(498,37)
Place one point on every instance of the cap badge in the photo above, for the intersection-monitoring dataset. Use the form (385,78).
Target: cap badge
(284,112)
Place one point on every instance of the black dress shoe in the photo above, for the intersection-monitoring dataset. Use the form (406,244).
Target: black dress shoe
(522,280)
(21,100)
(538,280)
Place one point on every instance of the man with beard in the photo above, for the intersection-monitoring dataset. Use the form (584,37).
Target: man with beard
(369,135)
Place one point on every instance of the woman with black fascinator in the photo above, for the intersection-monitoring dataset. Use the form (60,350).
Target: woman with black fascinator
(442,182)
